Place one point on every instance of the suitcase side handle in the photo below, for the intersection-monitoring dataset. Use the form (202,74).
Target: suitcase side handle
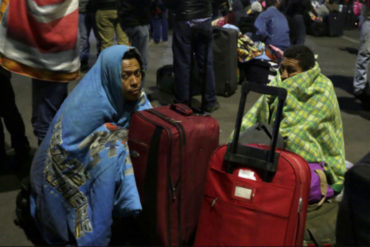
(240,154)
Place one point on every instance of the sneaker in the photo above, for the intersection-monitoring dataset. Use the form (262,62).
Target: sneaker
(211,108)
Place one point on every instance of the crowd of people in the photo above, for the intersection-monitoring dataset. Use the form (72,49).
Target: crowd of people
(81,174)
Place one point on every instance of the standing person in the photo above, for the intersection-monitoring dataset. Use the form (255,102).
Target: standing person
(14,124)
(135,16)
(311,123)
(82,175)
(272,26)
(40,41)
(361,83)
(107,24)
(192,34)
(159,21)
(296,10)
(86,23)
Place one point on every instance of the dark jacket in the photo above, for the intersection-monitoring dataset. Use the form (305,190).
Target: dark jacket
(134,13)
(190,9)
(85,6)
(105,4)
(301,7)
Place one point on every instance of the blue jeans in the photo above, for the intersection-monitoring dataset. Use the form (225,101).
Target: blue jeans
(139,38)
(86,23)
(363,58)
(160,27)
(193,38)
(47,97)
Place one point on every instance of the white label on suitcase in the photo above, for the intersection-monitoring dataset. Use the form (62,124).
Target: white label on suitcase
(243,192)
(247,174)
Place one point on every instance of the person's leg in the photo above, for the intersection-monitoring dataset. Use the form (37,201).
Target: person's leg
(12,118)
(164,24)
(2,143)
(84,31)
(299,29)
(139,38)
(363,59)
(156,31)
(92,18)
(122,38)
(182,53)
(204,56)
(47,97)
(105,27)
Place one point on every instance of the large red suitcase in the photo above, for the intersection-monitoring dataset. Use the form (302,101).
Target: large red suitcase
(170,149)
(255,195)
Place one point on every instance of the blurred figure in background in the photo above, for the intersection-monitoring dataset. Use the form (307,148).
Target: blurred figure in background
(13,121)
(295,11)
(86,24)
(159,21)
(361,83)
(108,27)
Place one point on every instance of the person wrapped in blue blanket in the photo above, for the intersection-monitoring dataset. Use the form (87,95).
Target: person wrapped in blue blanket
(82,175)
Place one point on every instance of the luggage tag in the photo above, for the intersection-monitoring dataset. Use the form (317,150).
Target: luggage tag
(244,187)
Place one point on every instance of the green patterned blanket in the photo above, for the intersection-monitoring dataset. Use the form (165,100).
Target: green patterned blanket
(311,125)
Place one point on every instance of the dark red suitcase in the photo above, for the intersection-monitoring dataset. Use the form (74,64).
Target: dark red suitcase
(255,195)
(170,149)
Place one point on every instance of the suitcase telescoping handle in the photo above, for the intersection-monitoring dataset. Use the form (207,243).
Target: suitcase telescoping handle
(264,160)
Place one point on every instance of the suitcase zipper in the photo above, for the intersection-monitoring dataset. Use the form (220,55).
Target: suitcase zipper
(181,131)
(169,174)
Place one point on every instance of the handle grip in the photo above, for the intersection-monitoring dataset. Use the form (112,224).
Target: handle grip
(240,154)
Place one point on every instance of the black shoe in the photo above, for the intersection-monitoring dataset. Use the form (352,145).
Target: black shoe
(211,108)
(364,97)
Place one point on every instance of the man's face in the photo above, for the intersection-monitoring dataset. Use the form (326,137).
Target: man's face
(289,67)
(131,79)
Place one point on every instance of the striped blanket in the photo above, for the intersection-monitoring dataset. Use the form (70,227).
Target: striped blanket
(39,38)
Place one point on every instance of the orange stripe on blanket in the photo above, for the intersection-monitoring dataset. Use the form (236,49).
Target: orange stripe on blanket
(3,6)
(55,36)
(41,74)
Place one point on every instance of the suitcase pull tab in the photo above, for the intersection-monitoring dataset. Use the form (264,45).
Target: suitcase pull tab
(182,109)
(214,202)
(173,193)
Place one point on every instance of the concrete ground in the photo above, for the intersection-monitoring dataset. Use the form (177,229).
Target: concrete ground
(336,56)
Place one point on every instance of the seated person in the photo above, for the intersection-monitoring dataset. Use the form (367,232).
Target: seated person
(311,125)
(82,175)
(272,26)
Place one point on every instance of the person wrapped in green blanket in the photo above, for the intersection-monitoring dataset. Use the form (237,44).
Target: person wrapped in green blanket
(311,125)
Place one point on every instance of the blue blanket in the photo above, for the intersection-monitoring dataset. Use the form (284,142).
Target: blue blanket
(82,175)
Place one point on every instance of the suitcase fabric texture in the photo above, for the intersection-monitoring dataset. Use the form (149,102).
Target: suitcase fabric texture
(225,60)
(225,64)
(170,148)
(165,79)
(335,24)
(353,222)
(255,195)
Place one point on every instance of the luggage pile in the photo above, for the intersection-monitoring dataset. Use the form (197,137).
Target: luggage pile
(195,192)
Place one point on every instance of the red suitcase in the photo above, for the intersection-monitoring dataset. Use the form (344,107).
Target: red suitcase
(170,149)
(255,195)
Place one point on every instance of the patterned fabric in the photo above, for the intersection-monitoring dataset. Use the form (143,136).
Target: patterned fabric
(82,172)
(247,49)
(311,124)
(39,38)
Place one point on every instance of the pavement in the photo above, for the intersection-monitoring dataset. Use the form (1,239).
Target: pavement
(336,56)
